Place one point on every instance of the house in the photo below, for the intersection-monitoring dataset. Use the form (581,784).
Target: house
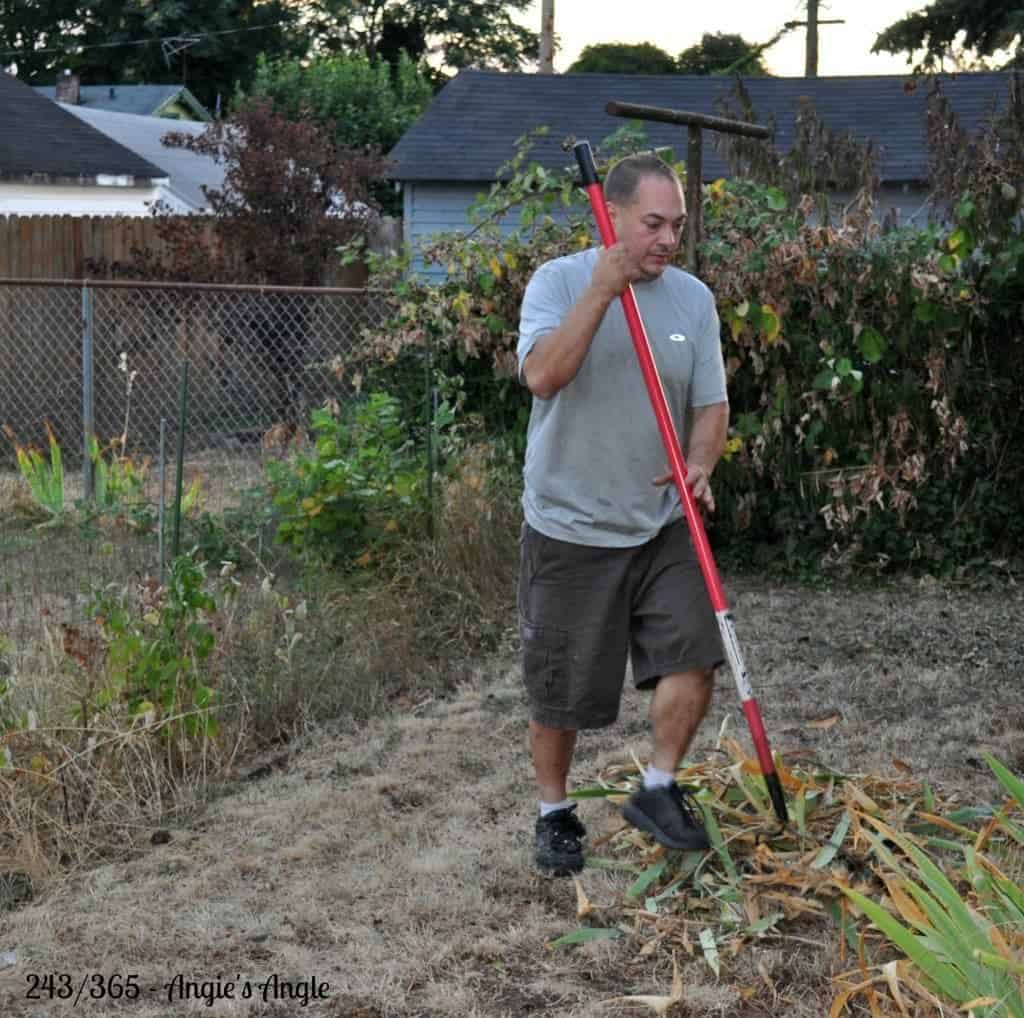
(51,162)
(454,150)
(174,102)
(187,172)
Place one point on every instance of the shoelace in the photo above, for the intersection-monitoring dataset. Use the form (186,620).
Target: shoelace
(688,805)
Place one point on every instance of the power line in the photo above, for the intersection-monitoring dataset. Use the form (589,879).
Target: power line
(192,37)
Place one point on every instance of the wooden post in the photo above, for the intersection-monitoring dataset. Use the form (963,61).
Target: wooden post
(694,176)
(695,123)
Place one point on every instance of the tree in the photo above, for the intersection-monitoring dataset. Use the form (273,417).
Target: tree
(231,34)
(366,102)
(721,52)
(623,58)
(966,31)
(292,195)
(460,33)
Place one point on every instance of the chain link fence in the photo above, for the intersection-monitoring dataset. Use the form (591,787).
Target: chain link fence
(106,358)
(259,358)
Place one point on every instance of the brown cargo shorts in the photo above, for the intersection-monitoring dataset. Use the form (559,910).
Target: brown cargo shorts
(582,609)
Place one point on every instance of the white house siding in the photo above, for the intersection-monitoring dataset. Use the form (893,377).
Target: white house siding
(21,199)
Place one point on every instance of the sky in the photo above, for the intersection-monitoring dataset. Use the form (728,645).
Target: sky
(673,25)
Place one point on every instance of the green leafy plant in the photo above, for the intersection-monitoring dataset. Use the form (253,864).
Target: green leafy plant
(358,490)
(966,945)
(239,535)
(45,479)
(117,481)
(158,652)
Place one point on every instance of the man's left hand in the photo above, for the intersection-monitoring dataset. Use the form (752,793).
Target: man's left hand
(698,480)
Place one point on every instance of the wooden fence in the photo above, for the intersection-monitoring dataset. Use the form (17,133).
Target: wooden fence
(61,247)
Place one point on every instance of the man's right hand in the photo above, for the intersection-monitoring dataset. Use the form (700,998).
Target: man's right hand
(614,271)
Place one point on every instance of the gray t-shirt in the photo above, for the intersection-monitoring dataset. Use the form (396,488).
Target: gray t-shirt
(594,448)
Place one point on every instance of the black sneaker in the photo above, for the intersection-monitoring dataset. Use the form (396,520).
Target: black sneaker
(670,815)
(558,842)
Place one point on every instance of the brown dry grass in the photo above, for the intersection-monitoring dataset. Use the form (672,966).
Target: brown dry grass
(391,857)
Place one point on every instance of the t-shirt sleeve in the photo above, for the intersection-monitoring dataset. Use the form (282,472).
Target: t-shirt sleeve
(708,384)
(545,305)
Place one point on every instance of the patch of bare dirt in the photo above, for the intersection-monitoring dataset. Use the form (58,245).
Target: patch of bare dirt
(392,862)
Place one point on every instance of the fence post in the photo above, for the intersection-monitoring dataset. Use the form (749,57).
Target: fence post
(431,420)
(694,179)
(88,395)
(178,478)
(161,513)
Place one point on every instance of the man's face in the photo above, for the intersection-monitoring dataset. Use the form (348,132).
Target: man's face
(650,225)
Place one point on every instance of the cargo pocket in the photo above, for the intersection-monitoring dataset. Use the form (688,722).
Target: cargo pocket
(546,665)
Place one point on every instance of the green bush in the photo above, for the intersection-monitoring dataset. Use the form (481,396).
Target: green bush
(157,653)
(876,418)
(360,488)
(874,412)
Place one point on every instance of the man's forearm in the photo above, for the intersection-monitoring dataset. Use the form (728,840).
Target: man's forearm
(555,358)
(709,428)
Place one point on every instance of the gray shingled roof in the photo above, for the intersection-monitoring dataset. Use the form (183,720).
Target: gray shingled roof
(188,171)
(142,100)
(39,138)
(470,128)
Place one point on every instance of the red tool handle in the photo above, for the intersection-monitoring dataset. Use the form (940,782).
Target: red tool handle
(670,439)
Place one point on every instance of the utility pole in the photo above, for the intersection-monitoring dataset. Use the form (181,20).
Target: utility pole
(547,37)
(811,63)
(812,23)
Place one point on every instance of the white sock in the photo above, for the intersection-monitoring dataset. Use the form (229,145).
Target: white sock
(654,778)
(550,807)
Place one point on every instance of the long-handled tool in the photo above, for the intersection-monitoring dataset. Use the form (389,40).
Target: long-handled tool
(592,185)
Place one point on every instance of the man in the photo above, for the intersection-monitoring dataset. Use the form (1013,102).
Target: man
(606,561)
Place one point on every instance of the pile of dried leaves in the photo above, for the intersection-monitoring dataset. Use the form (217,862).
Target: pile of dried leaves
(914,880)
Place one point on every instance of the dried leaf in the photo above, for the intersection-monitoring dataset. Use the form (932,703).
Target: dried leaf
(979,1002)
(762,971)
(840,1002)
(824,724)
(891,972)
(904,904)
(583,906)
(659,1005)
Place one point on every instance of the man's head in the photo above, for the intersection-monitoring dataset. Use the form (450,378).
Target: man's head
(646,204)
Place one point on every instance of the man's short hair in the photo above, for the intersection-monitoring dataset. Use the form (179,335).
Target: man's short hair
(623,178)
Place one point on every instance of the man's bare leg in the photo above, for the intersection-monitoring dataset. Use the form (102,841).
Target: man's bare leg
(552,751)
(678,706)
(660,808)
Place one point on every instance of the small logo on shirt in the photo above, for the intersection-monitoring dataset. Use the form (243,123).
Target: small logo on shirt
(677,337)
